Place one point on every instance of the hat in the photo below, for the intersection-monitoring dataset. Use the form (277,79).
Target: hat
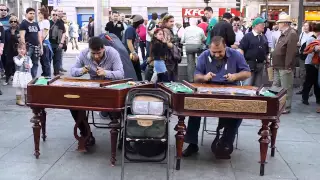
(136,18)
(284,18)
(227,15)
(257,21)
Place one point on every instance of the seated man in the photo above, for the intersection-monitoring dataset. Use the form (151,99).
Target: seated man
(218,65)
(101,62)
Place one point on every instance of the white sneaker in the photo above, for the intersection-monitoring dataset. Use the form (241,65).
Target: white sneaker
(4,83)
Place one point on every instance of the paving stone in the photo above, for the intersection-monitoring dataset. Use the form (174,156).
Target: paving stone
(306,172)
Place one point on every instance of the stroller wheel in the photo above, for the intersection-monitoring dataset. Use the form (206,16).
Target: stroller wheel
(104,115)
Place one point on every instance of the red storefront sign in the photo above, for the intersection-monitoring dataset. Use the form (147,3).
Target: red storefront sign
(189,12)
(233,11)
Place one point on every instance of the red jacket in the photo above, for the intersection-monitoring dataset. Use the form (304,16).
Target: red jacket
(310,49)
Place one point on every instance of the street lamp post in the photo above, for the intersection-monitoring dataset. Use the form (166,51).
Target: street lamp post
(207,2)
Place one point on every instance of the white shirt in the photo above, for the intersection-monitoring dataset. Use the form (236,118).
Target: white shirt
(44,24)
(275,37)
(193,35)
(239,36)
(304,37)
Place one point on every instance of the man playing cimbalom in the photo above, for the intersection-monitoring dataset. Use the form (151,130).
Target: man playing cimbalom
(100,62)
(218,65)
(283,58)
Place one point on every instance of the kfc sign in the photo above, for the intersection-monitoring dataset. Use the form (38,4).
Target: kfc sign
(192,12)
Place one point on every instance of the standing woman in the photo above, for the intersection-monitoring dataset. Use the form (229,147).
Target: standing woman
(44,24)
(10,47)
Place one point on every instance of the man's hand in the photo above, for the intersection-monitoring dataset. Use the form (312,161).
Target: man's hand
(134,57)
(85,70)
(231,77)
(209,76)
(60,46)
(101,72)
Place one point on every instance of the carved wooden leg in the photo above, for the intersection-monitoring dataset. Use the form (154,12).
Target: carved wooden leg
(43,124)
(36,130)
(264,141)
(274,126)
(180,128)
(115,125)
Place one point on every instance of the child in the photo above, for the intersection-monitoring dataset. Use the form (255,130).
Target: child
(22,76)
(159,49)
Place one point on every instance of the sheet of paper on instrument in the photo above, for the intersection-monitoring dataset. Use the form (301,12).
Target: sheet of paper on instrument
(227,90)
(75,83)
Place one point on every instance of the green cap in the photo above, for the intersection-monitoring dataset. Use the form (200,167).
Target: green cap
(257,21)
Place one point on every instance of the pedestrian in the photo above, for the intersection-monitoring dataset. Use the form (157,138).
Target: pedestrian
(283,58)
(159,48)
(131,42)
(30,34)
(10,47)
(193,39)
(142,33)
(254,47)
(304,36)
(204,24)
(311,77)
(239,34)
(22,76)
(74,34)
(225,30)
(44,24)
(4,25)
(115,26)
(57,40)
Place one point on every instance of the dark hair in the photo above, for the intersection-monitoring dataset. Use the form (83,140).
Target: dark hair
(138,23)
(236,18)
(22,45)
(208,9)
(30,9)
(311,25)
(154,39)
(115,12)
(316,27)
(163,15)
(154,16)
(204,19)
(217,40)
(95,43)
(44,11)
(227,15)
(166,19)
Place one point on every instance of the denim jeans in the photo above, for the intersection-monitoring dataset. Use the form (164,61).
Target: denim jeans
(57,59)
(229,132)
(46,62)
(35,61)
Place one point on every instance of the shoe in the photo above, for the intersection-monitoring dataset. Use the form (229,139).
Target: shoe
(63,70)
(299,92)
(286,112)
(19,100)
(191,149)
(221,149)
(91,141)
(5,83)
(318,110)
(305,102)
(61,74)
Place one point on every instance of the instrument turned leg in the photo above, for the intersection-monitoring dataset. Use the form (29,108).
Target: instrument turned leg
(115,125)
(274,126)
(36,130)
(180,128)
(264,141)
(43,124)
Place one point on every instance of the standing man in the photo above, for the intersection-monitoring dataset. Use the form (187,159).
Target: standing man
(239,34)
(208,12)
(131,42)
(225,30)
(283,58)
(4,16)
(91,27)
(211,69)
(204,24)
(31,35)
(115,26)
(254,47)
(142,32)
(57,40)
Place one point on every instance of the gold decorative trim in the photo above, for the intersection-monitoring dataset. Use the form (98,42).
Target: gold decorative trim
(282,101)
(145,123)
(225,105)
(71,96)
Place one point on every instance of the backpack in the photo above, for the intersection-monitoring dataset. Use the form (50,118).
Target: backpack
(302,48)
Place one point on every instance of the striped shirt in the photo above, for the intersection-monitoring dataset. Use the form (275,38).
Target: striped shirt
(111,63)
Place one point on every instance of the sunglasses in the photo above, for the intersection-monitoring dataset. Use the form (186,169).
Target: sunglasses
(3,9)
(236,25)
(54,14)
(13,21)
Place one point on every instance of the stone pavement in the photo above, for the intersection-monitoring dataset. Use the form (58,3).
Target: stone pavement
(296,157)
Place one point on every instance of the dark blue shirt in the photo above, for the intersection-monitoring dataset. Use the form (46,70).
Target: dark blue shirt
(255,47)
(131,33)
(233,62)
(31,30)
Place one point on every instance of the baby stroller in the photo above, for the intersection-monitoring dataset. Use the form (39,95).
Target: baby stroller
(146,124)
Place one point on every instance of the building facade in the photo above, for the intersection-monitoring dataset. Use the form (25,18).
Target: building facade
(18,7)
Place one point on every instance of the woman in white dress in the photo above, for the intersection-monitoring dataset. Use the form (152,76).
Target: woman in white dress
(22,76)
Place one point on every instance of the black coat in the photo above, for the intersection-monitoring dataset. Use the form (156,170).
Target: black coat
(117,44)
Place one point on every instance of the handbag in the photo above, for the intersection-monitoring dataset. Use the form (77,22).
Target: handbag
(175,52)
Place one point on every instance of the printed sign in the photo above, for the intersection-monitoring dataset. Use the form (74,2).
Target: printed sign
(186,12)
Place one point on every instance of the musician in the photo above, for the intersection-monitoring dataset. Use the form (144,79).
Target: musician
(101,62)
(218,65)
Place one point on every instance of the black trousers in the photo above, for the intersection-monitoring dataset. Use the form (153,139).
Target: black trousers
(163,77)
(137,68)
(79,114)
(9,67)
(311,80)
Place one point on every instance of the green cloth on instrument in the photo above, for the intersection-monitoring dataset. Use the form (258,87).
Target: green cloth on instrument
(178,88)
(42,81)
(268,94)
(119,86)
